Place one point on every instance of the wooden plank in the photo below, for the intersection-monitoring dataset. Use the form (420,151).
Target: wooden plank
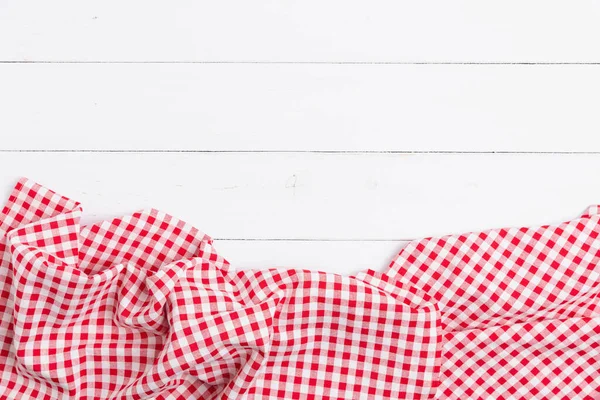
(342,257)
(308,30)
(300,107)
(322,196)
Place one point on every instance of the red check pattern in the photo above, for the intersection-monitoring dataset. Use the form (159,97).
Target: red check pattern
(520,309)
(142,306)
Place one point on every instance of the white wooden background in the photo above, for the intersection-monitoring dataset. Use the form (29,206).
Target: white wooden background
(310,134)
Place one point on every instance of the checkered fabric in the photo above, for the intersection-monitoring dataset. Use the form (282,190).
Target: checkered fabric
(143,307)
(520,309)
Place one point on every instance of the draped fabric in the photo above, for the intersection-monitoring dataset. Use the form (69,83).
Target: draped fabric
(143,307)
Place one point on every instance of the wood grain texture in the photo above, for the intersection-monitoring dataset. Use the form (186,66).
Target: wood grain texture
(343,257)
(322,196)
(301,31)
(516,108)
(432,116)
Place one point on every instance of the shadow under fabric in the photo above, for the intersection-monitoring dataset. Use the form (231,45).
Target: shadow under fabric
(142,306)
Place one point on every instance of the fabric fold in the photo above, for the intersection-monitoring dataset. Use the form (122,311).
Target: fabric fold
(142,306)
(520,308)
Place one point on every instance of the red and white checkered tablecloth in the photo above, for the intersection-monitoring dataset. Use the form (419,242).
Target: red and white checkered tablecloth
(142,306)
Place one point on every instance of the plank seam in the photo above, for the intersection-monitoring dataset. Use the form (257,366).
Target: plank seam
(525,63)
(152,151)
(307,240)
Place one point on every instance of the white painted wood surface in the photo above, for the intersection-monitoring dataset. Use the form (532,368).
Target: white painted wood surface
(301,30)
(249,197)
(307,134)
(301,107)
(345,257)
